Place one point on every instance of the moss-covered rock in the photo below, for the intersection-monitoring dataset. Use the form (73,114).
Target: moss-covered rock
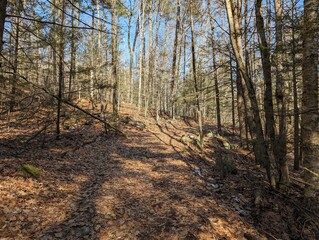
(226,166)
(31,170)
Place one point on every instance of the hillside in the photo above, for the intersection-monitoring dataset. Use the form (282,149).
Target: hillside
(155,183)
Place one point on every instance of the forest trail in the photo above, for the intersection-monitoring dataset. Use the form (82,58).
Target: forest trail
(94,186)
(155,184)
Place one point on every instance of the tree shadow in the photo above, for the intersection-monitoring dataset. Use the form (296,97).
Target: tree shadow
(132,189)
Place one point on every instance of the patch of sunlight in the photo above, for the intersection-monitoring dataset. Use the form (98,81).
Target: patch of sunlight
(80,178)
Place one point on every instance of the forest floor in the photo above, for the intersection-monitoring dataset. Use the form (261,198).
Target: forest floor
(149,185)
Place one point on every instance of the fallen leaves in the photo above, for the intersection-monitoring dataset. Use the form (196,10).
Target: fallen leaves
(146,187)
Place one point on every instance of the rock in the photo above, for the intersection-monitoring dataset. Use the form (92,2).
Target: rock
(186,140)
(226,166)
(240,212)
(210,134)
(234,146)
(88,122)
(85,230)
(59,235)
(81,231)
(97,227)
(31,170)
(226,145)
(213,185)
(138,124)
(198,172)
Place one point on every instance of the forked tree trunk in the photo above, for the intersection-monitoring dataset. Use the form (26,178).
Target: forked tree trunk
(260,149)
(264,48)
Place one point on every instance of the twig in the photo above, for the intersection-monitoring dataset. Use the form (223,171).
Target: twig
(39,132)
(56,24)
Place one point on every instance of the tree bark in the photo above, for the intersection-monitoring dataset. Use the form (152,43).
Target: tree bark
(194,58)
(150,81)
(310,113)
(3,7)
(241,109)
(174,62)
(260,149)
(268,96)
(115,60)
(15,61)
(132,50)
(281,148)
(92,64)
(232,91)
(61,67)
(215,73)
(73,54)
(139,100)
(295,94)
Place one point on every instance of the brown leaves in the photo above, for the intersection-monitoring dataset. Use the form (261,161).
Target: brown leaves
(99,187)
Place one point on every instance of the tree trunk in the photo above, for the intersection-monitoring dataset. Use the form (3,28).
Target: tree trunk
(139,100)
(73,54)
(115,60)
(310,112)
(3,7)
(281,148)
(61,67)
(132,50)
(194,59)
(215,74)
(295,94)
(92,64)
(174,62)
(268,96)
(15,62)
(156,67)
(150,81)
(253,117)
(232,92)
(241,109)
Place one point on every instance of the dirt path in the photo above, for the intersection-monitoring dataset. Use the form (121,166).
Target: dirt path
(113,188)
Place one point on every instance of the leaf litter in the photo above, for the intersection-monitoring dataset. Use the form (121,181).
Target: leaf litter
(148,186)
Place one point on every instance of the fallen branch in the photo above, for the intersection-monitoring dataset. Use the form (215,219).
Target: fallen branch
(39,132)
(91,115)
(72,105)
